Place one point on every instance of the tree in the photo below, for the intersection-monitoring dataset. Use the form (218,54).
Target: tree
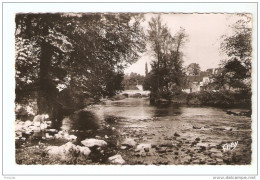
(146,69)
(193,69)
(83,54)
(238,48)
(166,66)
(233,75)
(130,81)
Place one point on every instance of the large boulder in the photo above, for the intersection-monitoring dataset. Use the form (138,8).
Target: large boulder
(116,159)
(94,142)
(60,151)
(64,150)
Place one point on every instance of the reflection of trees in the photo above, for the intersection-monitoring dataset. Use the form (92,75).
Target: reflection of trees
(85,120)
(167,110)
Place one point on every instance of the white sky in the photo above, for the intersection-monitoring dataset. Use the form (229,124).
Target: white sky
(204,37)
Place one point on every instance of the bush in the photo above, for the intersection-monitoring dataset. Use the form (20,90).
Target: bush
(221,98)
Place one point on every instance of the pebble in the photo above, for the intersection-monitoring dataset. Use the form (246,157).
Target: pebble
(141,147)
(166,145)
(123,147)
(129,142)
(176,135)
(162,150)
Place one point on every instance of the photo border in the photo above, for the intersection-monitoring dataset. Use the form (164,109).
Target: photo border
(203,166)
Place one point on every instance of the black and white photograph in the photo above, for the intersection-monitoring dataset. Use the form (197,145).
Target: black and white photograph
(134,88)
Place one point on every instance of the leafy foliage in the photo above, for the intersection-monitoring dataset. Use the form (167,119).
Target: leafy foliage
(193,69)
(130,81)
(83,53)
(166,73)
(238,48)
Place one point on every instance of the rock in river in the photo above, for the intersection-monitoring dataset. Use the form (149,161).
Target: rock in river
(197,139)
(116,159)
(143,147)
(176,135)
(129,142)
(94,142)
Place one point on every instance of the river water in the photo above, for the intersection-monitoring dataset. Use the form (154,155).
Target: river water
(174,134)
(171,130)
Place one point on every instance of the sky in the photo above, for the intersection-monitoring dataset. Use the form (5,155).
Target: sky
(204,37)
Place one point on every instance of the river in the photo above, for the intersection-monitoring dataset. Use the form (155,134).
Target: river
(177,134)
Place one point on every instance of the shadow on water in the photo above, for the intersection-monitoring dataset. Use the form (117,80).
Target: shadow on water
(167,110)
(82,121)
(85,120)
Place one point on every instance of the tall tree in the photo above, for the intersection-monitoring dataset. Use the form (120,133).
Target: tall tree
(80,53)
(167,64)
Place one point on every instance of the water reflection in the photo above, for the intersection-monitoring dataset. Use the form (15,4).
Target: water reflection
(135,109)
(83,120)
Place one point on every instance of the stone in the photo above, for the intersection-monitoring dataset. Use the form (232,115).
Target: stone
(129,142)
(28,123)
(94,142)
(52,130)
(146,149)
(54,150)
(70,137)
(162,150)
(141,147)
(154,146)
(228,129)
(116,159)
(166,145)
(43,126)
(34,128)
(47,135)
(64,150)
(176,135)
(38,124)
(63,135)
(40,118)
(84,150)
(203,148)
(195,127)
(60,151)
(123,147)
(197,139)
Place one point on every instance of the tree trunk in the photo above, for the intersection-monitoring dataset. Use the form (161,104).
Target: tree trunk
(47,92)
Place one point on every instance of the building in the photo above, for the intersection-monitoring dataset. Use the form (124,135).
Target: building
(200,82)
